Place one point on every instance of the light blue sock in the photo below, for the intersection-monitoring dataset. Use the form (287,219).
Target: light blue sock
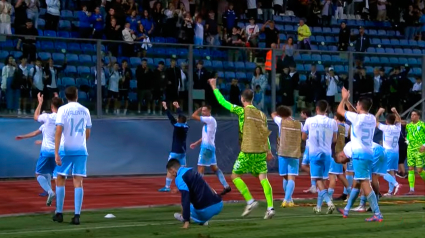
(49,179)
(391,182)
(44,183)
(285,185)
(289,190)
(320,196)
(350,183)
(363,200)
(222,179)
(168,182)
(331,192)
(348,190)
(60,198)
(313,182)
(78,200)
(373,202)
(353,196)
(326,197)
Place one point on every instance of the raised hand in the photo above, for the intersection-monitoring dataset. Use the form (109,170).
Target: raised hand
(40,98)
(176,104)
(164,105)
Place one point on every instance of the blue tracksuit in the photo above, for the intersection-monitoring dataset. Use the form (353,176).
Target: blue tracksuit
(179,134)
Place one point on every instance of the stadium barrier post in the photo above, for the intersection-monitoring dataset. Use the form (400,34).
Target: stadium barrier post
(273,81)
(190,87)
(350,75)
(99,79)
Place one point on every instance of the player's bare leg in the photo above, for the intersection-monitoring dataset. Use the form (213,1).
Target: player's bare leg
(221,178)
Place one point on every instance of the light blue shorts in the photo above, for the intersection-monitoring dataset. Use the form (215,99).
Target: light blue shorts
(392,160)
(75,163)
(319,166)
(180,157)
(350,167)
(306,158)
(336,168)
(204,215)
(207,157)
(379,164)
(45,165)
(362,169)
(288,166)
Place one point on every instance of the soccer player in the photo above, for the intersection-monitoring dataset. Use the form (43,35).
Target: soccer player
(391,136)
(178,148)
(255,148)
(415,149)
(362,130)
(73,127)
(321,132)
(46,162)
(305,164)
(207,154)
(288,167)
(199,201)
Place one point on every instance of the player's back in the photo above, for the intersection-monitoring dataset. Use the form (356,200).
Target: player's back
(362,131)
(75,119)
(208,132)
(179,138)
(391,135)
(48,130)
(320,130)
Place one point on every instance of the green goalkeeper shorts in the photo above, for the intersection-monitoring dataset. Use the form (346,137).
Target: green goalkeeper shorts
(250,163)
(415,159)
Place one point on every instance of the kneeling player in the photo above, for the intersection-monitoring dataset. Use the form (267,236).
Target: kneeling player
(199,201)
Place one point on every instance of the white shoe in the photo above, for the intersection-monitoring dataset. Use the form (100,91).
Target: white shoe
(205,224)
(331,209)
(178,217)
(269,214)
(359,209)
(19,112)
(312,189)
(249,208)
(317,210)
(50,198)
(396,189)
(387,195)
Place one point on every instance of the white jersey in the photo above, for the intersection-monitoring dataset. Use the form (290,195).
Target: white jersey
(391,135)
(348,150)
(347,129)
(320,130)
(48,129)
(75,119)
(362,131)
(208,132)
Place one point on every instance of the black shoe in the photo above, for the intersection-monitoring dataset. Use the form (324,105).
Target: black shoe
(225,191)
(369,209)
(75,220)
(58,217)
(341,198)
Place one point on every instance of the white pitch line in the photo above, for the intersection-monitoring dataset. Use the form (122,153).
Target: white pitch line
(143,224)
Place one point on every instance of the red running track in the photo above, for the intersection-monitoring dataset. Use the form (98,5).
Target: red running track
(115,192)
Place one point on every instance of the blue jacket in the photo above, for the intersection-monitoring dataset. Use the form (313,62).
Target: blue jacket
(194,190)
(134,22)
(179,134)
(97,25)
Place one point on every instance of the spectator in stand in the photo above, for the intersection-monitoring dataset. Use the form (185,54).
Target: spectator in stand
(230,19)
(20,14)
(212,30)
(259,84)
(278,6)
(382,10)
(187,31)
(200,80)
(377,83)
(365,84)
(288,52)
(5,17)
(28,44)
(252,9)
(171,17)
(160,83)
(344,37)
(416,94)
(234,39)
(33,9)
(141,36)
(286,88)
(267,8)
(52,15)
(111,15)
(51,77)
(295,78)
(22,75)
(304,34)
(332,81)
(272,34)
(252,31)
(422,25)
(119,12)
(385,89)
(315,86)
(97,20)
(124,84)
(199,32)
(114,33)
(9,85)
(327,13)
(84,17)
(234,93)
(411,18)
(148,23)
(128,36)
(144,86)
(339,12)
(37,82)
(103,74)
(157,16)
(114,78)
(134,20)
(362,43)
(174,80)
(130,6)
(183,90)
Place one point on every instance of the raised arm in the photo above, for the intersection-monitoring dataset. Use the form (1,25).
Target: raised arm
(378,114)
(232,108)
(169,115)
(350,107)
(195,115)
(38,109)
(345,94)
(397,116)
(29,135)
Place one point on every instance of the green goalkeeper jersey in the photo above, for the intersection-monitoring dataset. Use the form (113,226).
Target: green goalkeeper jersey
(415,134)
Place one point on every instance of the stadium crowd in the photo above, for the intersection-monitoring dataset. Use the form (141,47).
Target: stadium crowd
(139,74)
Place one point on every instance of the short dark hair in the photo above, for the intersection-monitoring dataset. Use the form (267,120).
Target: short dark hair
(57,102)
(208,107)
(71,93)
(248,95)
(417,112)
(391,118)
(173,163)
(366,103)
(306,112)
(182,118)
(322,105)
(340,117)
(124,61)
(284,111)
